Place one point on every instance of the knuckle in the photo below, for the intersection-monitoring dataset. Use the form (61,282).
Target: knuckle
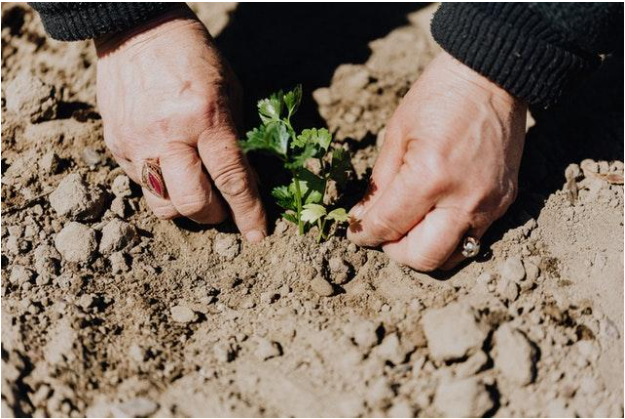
(382,229)
(233,181)
(191,206)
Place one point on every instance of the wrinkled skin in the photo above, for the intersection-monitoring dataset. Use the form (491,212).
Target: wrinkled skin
(165,93)
(448,167)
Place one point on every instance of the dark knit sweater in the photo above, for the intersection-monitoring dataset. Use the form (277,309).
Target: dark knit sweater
(533,50)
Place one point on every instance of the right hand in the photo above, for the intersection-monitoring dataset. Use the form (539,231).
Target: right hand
(164,93)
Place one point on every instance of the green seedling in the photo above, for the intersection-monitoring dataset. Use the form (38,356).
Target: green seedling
(303,198)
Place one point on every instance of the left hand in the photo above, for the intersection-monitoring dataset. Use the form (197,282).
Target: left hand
(448,167)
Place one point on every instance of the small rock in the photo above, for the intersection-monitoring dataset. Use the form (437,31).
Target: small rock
(512,270)
(76,242)
(339,269)
(379,393)
(463,398)
(365,335)
(514,355)
(227,246)
(20,275)
(183,314)
(116,235)
(30,97)
(268,349)
(401,409)
(452,332)
(473,365)
(86,301)
(119,207)
(390,349)
(74,200)
(91,157)
(121,186)
(139,407)
(118,263)
(224,352)
(49,163)
(321,287)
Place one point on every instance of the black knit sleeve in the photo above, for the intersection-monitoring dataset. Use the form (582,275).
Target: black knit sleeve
(533,50)
(74,21)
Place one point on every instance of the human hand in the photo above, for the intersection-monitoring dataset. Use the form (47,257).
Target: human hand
(448,167)
(164,93)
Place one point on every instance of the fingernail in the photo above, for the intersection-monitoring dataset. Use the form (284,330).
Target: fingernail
(255,236)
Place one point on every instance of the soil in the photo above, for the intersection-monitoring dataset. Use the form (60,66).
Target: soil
(107,311)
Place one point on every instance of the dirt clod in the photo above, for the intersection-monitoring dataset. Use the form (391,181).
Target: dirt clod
(467,398)
(31,98)
(514,355)
(74,200)
(227,246)
(321,287)
(183,314)
(267,349)
(116,235)
(452,332)
(76,242)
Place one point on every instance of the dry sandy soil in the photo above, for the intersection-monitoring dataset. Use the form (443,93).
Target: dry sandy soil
(107,311)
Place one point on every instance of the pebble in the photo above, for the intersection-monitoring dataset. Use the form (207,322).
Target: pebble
(472,365)
(49,163)
(364,333)
(86,301)
(76,242)
(20,275)
(227,246)
(463,398)
(116,235)
(321,287)
(514,355)
(224,352)
(139,407)
(119,207)
(72,199)
(379,393)
(401,409)
(452,332)
(118,263)
(268,349)
(390,349)
(29,97)
(339,269)
(121,186)
(183,314)
(512,270)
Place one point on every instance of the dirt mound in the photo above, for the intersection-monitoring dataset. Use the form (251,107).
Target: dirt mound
(147,317)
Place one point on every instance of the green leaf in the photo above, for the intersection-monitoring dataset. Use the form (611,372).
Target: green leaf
(284,197)
(277,138)
(311,186)
(313,212)
(255,140)
(340,167)
(270,109)
(289,217)
(293,98)
(320,137)
(300,155)
(339,215)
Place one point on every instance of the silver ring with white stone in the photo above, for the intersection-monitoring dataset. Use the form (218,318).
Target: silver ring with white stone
(470,247)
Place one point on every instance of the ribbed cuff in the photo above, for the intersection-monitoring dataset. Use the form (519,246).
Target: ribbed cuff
(511,46)
(75,21)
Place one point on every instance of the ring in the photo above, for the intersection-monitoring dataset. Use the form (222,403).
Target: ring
(152,178)
(470,247)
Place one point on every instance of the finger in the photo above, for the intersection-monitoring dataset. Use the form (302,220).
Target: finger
(189,187)
(386,166)
(398,209)
(161,207)
(429,244)
(457,257)
(234,178)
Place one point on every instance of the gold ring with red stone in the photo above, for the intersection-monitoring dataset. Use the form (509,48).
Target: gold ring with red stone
(152,178)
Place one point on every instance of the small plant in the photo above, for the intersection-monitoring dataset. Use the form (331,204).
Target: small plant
(303,198)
